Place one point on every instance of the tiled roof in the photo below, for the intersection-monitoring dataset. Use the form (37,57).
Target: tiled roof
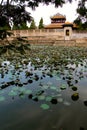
(54,26)
(58,15)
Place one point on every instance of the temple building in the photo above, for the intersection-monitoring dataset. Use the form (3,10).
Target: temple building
(58,21)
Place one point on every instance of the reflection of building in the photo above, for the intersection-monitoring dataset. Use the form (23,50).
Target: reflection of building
(58,22)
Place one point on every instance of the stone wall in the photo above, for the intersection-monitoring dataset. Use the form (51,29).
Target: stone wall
(51,36)
(44,33)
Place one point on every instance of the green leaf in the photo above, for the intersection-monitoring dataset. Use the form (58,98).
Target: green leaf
(42,97)
(12,93)
(53,87)
(45,106)
(48,98)
(27,91)
(2,98)
(63,87)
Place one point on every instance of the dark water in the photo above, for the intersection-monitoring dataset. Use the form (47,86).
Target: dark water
(22,95)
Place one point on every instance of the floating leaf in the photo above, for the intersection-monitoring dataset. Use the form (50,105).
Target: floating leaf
(45,106)
(48,98)
(40,92)
(30,96)
(22,89)
(12,93)
(74,88)
(85,103)
(66,103)
(45,87)
(63,87)
(53,87)
(15,88)
(2,98)
(35,98)
(21,95)
(60,99)
(75,96)
(28,91)
(54,101)
(1,91)
(58,78)
(42,97)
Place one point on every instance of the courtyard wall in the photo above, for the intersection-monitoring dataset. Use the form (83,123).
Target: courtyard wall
(51,36)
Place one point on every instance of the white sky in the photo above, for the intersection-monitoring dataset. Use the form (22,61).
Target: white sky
(68,9)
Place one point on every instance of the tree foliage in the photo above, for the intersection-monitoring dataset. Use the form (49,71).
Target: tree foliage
(41,25)
(15,10)
(32,25)
(81,20)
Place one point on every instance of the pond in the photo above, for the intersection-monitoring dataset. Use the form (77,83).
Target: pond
(45,89)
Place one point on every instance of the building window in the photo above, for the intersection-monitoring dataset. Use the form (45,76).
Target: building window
(67,32)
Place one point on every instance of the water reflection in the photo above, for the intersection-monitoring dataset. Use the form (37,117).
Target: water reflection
(49,91)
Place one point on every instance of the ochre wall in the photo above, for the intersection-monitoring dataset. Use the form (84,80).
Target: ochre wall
(50,36)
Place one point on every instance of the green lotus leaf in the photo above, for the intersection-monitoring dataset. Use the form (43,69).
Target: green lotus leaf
(15,89)
(53,87)
(21,89)
(45,87)
(63,87)
(12,93)
(28,91)
(2,98)
(45,106)
(58,78)
(48,98)
(1,91)
(42,97)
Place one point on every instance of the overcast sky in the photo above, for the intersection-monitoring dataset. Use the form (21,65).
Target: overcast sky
(69,10)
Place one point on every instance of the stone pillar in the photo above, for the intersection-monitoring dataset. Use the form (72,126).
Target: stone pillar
(67,33)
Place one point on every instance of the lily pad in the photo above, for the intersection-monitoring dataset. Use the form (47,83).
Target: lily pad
(85,103)
(53,87)
(2,98)
(74,88)
(45,106)
(48,98)
(41,97)
(54,101)
(66,103)
(12,93)
(15,88)
(45,87)
(63,87)
(60,100)
(58,78)
(27,91)
(1,91)
(22,89)
(75,96)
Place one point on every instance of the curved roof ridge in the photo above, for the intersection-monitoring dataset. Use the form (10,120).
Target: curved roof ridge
(58,15)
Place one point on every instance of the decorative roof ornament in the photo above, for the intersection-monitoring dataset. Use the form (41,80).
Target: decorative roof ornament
(58,15)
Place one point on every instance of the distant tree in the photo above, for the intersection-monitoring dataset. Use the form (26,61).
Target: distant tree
(81,20)
(22,26)
(41,25)
(32,25)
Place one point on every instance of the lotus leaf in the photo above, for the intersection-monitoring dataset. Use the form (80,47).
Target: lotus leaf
(2,98)
(12,93)
(45,106)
